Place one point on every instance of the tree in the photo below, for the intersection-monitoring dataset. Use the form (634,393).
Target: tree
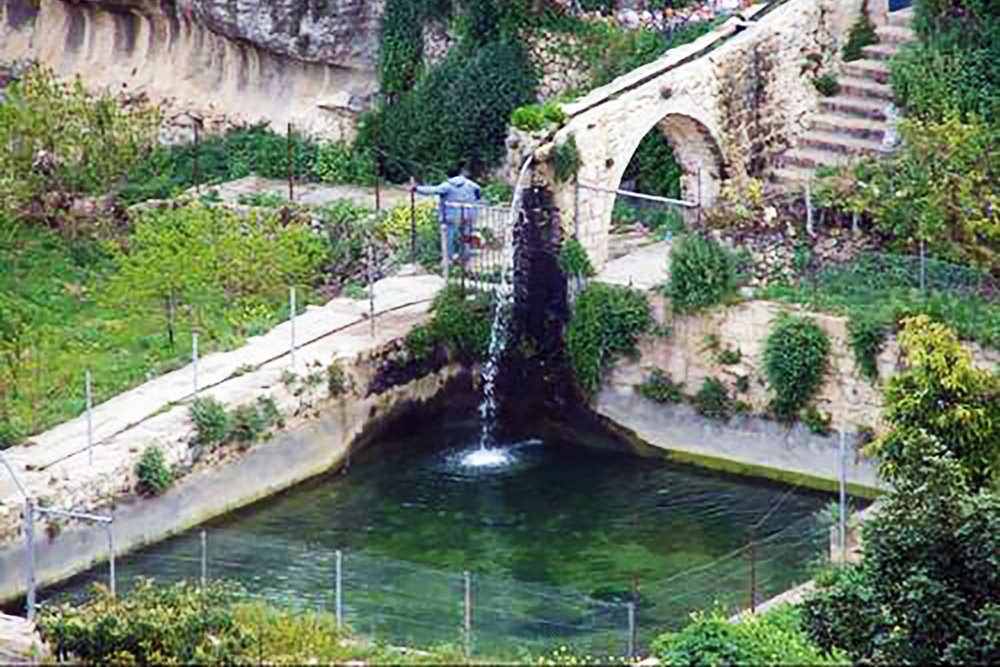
(928,587)
(942,401)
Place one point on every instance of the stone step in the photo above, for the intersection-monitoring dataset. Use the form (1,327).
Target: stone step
(859,107)
(872,70)
(791,178)
(853,87)
(850,126)
(902,17)
(810,158)
(895,34)
(839,143)
(881,52)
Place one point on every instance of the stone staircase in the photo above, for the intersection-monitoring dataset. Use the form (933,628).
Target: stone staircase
(852,123)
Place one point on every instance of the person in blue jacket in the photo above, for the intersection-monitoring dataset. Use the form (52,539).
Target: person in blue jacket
(454,193)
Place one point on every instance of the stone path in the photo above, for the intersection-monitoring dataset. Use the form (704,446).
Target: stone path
(645,268)
(19,642)
(56,464)
(312,194)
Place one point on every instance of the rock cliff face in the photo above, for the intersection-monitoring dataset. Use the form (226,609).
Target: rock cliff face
(309,62)
(334,32)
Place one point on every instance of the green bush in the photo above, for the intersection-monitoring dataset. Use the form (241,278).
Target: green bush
(827,84)
(816,421)
(336,379)
(702,274)
(775,638)
(713,400)
(183,623)
(661,388)
(535,117)
(607,322)
(463,321)
(10,434)
(795,359)
(247,424)
(420,343)
(862,34)
(867,336)
(952,67)
(154,475)
(343,163)
(211,421)
(574,262)
(566,159)
(939,187)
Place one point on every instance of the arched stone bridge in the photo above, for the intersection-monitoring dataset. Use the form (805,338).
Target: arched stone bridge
(728,104)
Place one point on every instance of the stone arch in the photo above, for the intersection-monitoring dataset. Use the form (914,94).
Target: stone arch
(696,150)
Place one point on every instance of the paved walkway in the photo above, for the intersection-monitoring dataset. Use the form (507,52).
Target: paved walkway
(645,268)
(313,194)
(19,642)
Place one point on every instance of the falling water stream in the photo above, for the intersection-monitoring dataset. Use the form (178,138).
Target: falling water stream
(488,453)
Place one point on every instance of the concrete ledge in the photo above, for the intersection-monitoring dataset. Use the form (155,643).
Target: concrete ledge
(745,445)
(287,459)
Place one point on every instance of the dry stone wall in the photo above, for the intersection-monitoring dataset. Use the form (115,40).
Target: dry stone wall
(687,356)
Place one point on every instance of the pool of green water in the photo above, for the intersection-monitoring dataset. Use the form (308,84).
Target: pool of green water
(568,543)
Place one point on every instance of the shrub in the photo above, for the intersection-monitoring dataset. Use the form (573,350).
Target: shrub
(728,356)
(938,187)
(463,322)
(420,343)
(816,421)
(336,379)
(795,359)
(154,475)
(861,34)
(183,623)
(247,424)
(574,262)
(535,117)
(867,336)
(211,421)
(773,638)
(607,322)
(395,225)
(10,434)
(566,160)
(827,84)
(340,162)
(702,274)
(713,400)
(661,388)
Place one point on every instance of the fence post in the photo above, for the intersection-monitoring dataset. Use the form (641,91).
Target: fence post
(29,537)
(445,259)
(371,285)
(204,558)
(291,310)
(194,361)
(842,528)
(631,630)
(89,393)
(809,209)
(468,613)
(413,226)
(291,166)
(339,589)
(112,579)
(753,573)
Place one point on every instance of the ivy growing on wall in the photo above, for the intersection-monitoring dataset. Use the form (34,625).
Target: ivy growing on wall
(795,360)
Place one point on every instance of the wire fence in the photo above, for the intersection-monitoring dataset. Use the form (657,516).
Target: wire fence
(410,604)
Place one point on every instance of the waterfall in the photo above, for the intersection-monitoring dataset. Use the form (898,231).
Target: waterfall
(487,454)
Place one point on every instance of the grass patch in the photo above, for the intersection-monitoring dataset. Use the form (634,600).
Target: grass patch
(886,288)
